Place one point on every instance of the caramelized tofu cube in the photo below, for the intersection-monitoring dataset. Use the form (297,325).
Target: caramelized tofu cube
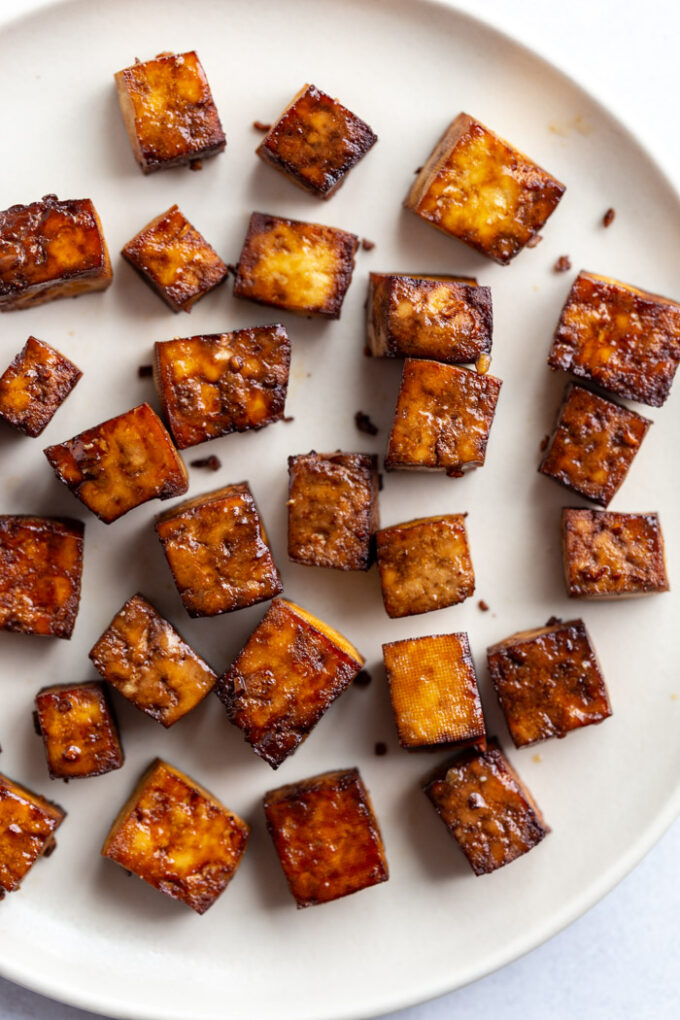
(304,268)
(291,669)
(120,464)
(625,339)
(27,826)
(178,837)
(41,565)
(327,836)
(78,730)
(478,188)
(35,386)
(51,249)
(218,551)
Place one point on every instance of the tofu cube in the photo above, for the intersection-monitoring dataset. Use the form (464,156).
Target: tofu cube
(27,826)
(480,189)
(51,249)
(178,837)
(327,836)
(35,386)
(169,112)
(304,268)
(622,338)
(41,566)
(218,551)
(292,668)
(78,730)
(120,464)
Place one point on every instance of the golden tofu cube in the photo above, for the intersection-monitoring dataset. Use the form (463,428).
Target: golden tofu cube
(304,268)
(222,382)
(291,669)
(169,112)
(218,551)
(120,464)
(480,189)
(41,566)
(51,249)
(178,837)
(27,826)
(327,836)
(624,339)
(78,730)
(149,663)
(35,386)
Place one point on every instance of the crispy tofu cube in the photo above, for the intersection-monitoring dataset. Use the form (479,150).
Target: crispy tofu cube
(120,464)
(178,837)
(78,730)
(35,386)
(41,566)
(608,555)
(480,189)
(149,663)
(622,338)
(327,836)
(425,564)
(169,112)
(218,551)
(304,268)
(223,382)
(27,826)
(292,668)
(593,445)
(51,249)
(443,418)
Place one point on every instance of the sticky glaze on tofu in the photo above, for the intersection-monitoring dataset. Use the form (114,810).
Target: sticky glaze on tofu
(78,730)
(27,826)
(35,386)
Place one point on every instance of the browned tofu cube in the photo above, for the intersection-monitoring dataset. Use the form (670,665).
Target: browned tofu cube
(593,445)
(149,663)
(433,687)
(223,382)
(35,386)
(120,464)
(169,112)
(486,808)
(478,188)
(625,339)
(51,249)
(608,555)
(327,836)
(333,509)
(178,837)
(41,566)
(304,268)
(425,564)
(445,318)
(218,551)
(443,418)
(27,826)
(78,730)
(291,669)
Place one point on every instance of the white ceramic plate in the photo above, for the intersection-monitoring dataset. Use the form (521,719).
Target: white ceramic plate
(80,929)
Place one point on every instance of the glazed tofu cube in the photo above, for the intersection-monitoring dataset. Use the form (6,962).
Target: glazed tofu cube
(433,687)
(218,551)
(149,663)
(175,260)
(333,509)
(304,268)
(478,188)
(51,249)
(120,464)
(316,141)
(327,836)
(486,808)
(291,669)
(443,418)
(41,566)
(425,564)
(178,837)
(445,318)
(608,555)
(78,730)
(223,382)
(622,338)
(27,826)
(169,112)
(35,386)
(593,445)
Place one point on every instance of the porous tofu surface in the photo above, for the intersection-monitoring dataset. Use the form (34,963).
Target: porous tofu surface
(35,386)
(178,837)
(291,669)
(78,730)
(327,836)
(27,826)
